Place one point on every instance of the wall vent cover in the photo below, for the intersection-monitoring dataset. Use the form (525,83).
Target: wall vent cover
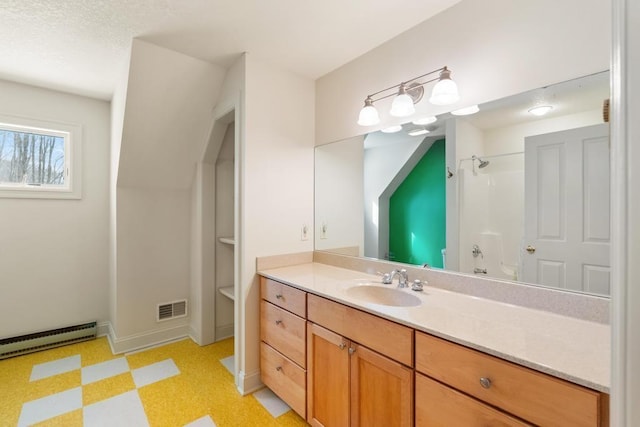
(172,310)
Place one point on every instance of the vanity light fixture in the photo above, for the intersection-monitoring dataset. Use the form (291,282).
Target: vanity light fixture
(425,120)
(402,105)
(466,111)
(407,94)
(417,132)
(540,110)
(368,115)
(392,129)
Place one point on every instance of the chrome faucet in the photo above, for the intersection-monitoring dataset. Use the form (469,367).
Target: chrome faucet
(403,278)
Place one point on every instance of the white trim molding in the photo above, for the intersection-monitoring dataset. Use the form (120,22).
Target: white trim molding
(625,214)
(248,382)
(147,339)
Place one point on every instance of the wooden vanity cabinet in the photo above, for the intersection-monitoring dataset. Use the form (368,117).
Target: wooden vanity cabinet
(283,334)
(532,396)
(339,366)
(348,383)
(440,406)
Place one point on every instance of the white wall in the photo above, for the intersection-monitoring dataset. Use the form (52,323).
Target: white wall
(54,253)
(118,103)
(510,139)
(494,48)
(169,103)
(339,200)
(469,141)
(276,187)
(153,258)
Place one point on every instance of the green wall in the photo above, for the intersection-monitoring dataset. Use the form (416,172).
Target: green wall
(417,212)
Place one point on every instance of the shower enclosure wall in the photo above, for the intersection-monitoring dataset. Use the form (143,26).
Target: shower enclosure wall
(491,210)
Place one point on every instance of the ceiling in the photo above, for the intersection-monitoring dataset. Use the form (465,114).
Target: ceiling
(82,46)
(570,97)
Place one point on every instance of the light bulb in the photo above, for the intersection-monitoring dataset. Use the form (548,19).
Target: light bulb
(368,115)
(392,129)
(445,92)
(540,110)
(418,132)
(472,109)
(402,105)
(425,120)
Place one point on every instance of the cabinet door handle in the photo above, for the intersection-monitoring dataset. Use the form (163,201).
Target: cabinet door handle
(485,382)
(279,296)
(342,346)
(278,322)
(279,369)
(352,350)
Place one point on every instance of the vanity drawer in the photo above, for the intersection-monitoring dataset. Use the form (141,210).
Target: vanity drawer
(440,406)
(284,331)
(284,378)
(385,337)
(533,396)
(287,297)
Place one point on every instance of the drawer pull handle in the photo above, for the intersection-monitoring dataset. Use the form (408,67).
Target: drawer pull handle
(485,382)
(278,322)
(279,369)
(279,296)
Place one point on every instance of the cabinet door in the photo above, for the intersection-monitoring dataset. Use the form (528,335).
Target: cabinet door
(327,378)
(381,390)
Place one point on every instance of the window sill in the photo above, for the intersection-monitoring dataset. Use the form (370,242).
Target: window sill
(38,193)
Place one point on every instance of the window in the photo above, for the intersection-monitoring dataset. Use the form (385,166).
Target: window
(37,159)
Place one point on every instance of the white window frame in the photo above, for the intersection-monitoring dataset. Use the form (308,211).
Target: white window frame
(72,134)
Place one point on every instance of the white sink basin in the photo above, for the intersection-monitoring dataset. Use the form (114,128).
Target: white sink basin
(383,296)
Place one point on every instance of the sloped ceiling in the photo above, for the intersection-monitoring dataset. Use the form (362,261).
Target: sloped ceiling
(168,112)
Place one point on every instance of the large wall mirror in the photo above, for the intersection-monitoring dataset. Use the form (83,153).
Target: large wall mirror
(502,193)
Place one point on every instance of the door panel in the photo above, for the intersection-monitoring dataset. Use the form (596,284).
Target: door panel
(381,390)
(567,210)
(327,378)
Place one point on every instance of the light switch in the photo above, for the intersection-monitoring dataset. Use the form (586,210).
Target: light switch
(323,230)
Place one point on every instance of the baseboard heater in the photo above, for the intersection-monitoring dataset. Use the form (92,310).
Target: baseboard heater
(15,346)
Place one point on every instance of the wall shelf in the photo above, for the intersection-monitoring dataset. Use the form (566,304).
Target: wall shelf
(227,291)
(227,240)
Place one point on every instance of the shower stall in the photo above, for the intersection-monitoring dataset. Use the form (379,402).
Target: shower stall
(491,206)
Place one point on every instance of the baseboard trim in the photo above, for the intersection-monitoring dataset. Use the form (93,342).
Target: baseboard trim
(195,337)
(248,382)
(147,339)
(104,329)
(224,332)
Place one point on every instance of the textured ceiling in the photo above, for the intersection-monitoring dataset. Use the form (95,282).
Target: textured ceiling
(81,46)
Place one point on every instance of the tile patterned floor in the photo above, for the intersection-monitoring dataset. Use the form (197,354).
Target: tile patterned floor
(178,384)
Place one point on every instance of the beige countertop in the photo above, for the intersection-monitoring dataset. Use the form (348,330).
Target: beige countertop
(565,347)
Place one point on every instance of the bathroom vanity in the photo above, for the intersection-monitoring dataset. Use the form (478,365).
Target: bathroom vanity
(394,357)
